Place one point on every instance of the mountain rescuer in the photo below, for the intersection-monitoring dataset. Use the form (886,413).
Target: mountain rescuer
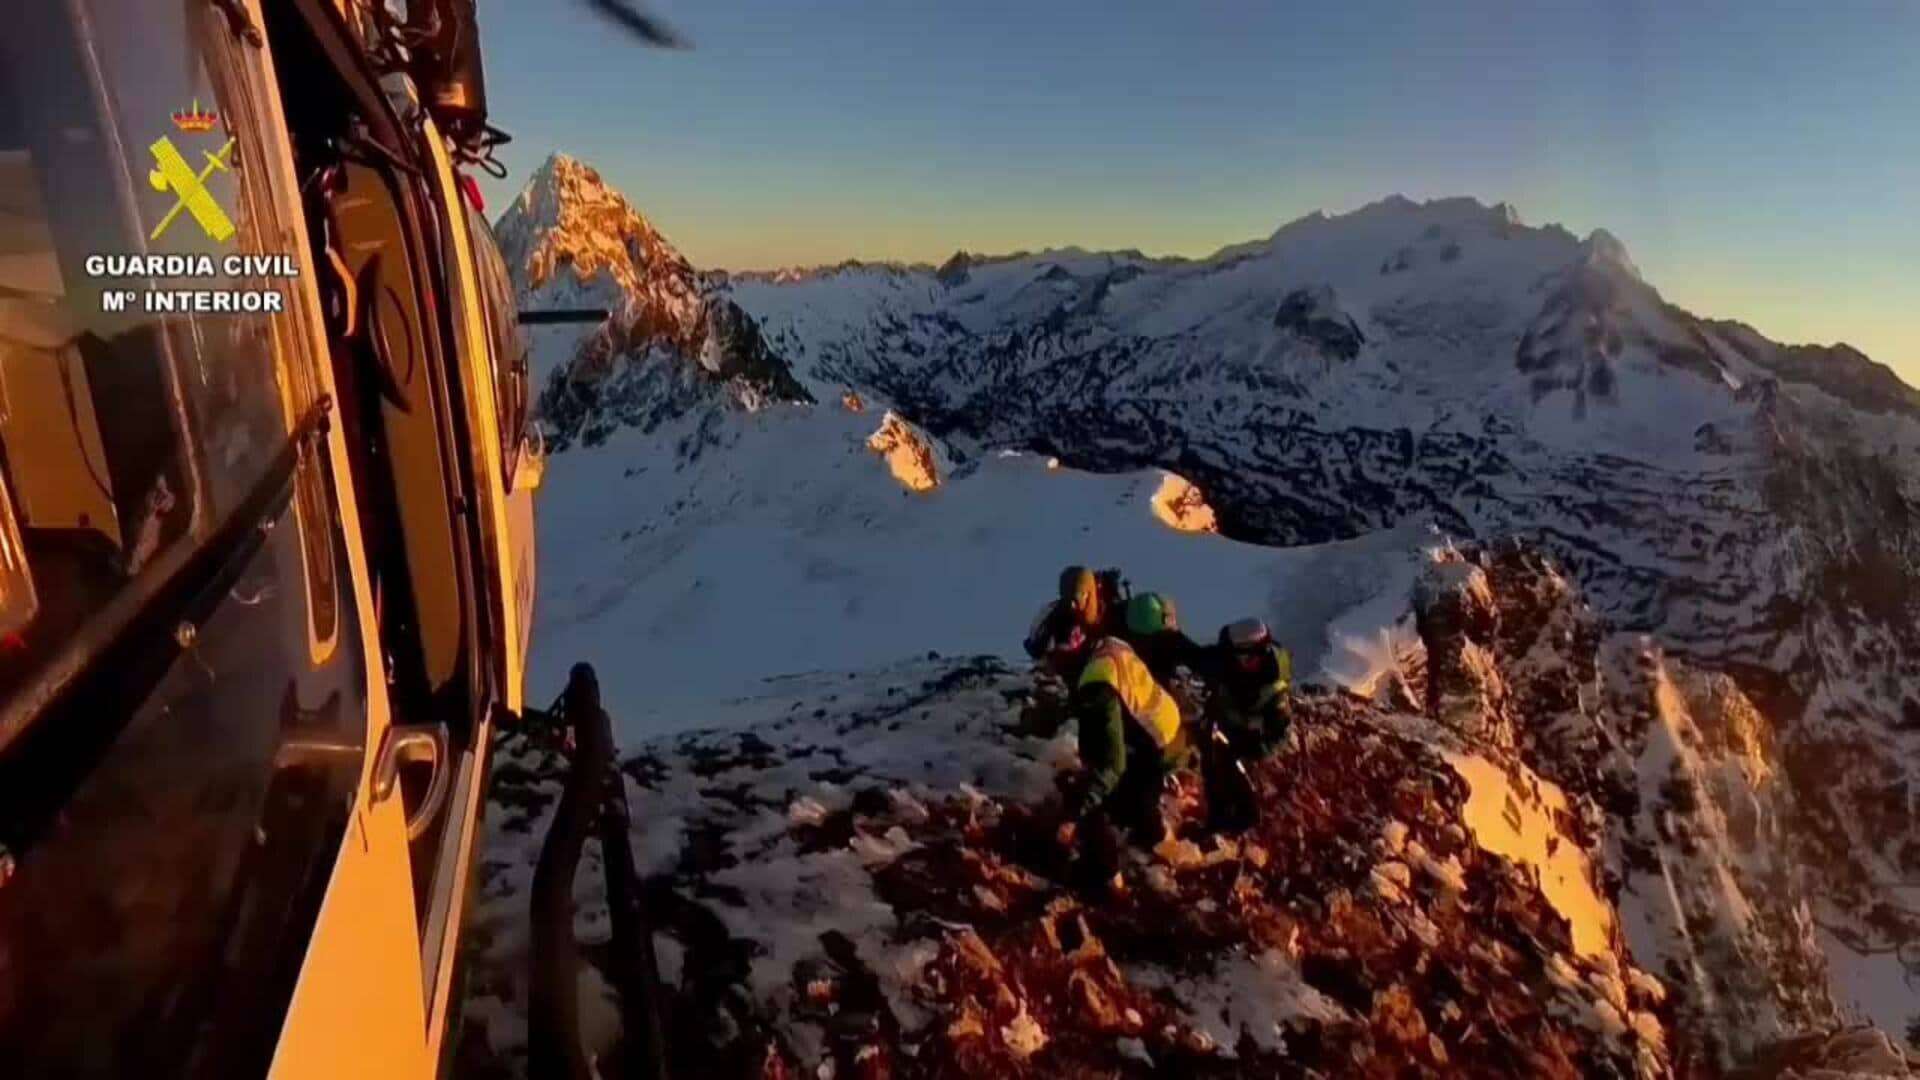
(1132,738)
(1247,713)
(1103,605)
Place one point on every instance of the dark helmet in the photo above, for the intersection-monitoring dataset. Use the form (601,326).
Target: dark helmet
(583,685)
(1248,642)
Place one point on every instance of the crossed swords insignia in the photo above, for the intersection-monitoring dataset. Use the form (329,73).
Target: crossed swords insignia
(172,173)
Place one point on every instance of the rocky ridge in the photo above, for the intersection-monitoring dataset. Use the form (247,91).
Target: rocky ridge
(863,882)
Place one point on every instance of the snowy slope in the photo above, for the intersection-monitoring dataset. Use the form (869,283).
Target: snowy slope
(793,547)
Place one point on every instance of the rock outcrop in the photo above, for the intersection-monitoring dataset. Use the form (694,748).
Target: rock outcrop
(913,458)
(835,899)
(1313,315)
(1677,787)
(1458,620)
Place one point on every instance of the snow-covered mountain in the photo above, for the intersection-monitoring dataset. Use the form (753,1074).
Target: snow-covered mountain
(1754,507)
(1707,641)
(571,242)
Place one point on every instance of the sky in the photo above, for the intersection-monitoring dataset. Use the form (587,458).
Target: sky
(1760,161)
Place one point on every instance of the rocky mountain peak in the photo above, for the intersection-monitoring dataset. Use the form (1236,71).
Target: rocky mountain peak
(1602,248)
(567,222)
(1453,211)
(672,341)
(954,270)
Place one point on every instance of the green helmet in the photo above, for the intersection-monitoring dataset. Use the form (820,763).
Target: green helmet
(1150,613)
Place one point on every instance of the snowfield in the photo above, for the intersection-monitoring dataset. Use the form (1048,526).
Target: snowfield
(793,548)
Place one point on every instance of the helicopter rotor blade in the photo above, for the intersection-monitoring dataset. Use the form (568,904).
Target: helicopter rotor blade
(650,29)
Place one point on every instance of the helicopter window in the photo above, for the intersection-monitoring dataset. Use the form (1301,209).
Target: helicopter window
(124,436)
(507,340)
(158,930)
(169,829)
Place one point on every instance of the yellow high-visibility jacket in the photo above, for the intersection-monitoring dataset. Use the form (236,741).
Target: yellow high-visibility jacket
(1118,702)
(1115,664)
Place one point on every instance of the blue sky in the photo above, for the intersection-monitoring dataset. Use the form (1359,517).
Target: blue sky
(1760,163)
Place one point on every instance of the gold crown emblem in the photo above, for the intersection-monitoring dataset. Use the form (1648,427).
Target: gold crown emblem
(196,120)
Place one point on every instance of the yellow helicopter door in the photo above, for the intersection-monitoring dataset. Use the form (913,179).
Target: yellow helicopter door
(474,349)
(357,1008)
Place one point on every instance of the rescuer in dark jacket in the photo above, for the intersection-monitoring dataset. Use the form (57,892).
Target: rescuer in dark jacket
(1248,712)
(1252,678)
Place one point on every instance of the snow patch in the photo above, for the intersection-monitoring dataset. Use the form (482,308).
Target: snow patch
(1258,995)
(1521,822)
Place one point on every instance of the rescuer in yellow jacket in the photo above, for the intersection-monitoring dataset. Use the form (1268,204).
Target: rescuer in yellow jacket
(1132,737)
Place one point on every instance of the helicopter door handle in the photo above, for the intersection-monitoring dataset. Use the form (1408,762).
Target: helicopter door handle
(406,745)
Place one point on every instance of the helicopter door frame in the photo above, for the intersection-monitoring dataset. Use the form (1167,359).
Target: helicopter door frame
(356,957)
(353,973)
(442,554)
(436,887)
(471,353)
(456,376)
(455,384)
